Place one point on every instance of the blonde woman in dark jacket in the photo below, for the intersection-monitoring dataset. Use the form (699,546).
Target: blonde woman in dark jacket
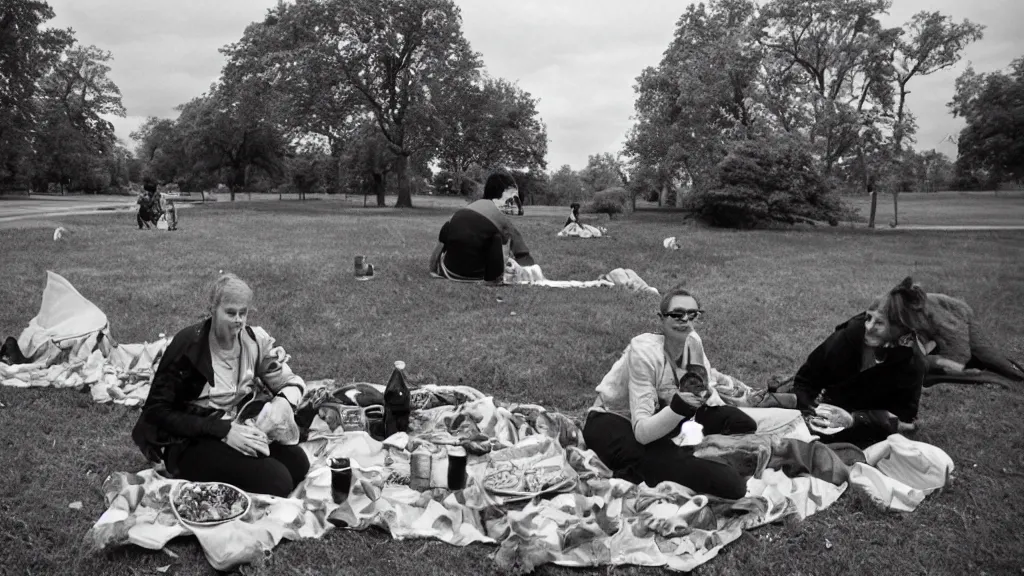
(210,376)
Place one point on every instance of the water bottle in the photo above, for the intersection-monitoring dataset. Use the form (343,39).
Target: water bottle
(396,402)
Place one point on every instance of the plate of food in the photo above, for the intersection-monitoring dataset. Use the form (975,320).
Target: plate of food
(208,503)
(820,422)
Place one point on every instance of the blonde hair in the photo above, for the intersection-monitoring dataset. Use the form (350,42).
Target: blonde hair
(227,284)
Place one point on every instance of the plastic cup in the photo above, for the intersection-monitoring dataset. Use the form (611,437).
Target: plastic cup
(341,479)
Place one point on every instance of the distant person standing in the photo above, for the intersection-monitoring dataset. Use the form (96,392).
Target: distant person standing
(167,206)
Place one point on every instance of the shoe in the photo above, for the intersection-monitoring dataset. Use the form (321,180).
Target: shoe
(364,273)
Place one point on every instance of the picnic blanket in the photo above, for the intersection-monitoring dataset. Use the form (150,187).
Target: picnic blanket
(120,374)
(576,515)
(577,230)
(533,276)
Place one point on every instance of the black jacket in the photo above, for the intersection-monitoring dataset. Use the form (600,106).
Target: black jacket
(168,416)
(833,370)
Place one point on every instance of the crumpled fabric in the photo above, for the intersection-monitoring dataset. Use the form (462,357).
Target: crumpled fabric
(587,518)
(532,276)
(64,319)
(899,473)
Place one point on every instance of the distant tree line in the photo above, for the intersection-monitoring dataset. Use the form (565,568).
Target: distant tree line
(54,97)
(749,90)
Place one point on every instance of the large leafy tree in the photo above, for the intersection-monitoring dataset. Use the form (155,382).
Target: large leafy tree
(28,51)
(697,98)
(490,124)
(225,132)
(826,72)
(603,171)
(991,146)
(334,64)
(75,144)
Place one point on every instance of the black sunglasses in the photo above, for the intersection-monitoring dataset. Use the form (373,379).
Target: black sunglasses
(683,314)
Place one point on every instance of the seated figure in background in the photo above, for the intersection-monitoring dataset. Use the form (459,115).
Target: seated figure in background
(573,226)
(478,240)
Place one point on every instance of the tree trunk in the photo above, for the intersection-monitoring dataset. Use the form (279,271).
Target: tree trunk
(404,186)
(895,208)
(663,195)
(874,207)
(379,188)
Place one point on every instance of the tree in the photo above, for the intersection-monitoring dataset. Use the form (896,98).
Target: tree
(934,43)
(285,59)
(768,180)
(224,131)
(603,171)
(823,71)
(75,141)
(991,145)
(697,98)
(491,124)
(565,186)
(27,52)
(161,150)
(397,54)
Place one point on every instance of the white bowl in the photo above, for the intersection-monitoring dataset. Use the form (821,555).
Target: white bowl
(177,492)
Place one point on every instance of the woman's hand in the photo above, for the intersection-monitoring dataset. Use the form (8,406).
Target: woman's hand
(248,440)
(829,416)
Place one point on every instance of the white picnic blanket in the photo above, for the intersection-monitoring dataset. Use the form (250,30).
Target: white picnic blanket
(577,230)
(589,519)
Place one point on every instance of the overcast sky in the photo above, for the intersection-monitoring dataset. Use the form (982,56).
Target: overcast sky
(580,58)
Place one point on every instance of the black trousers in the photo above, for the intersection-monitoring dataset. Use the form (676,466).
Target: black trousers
(211,460)
(611,438)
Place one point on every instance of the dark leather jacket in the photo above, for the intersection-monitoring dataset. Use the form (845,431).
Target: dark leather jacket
(833,370)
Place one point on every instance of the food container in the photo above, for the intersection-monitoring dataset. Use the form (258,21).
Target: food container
(197,491)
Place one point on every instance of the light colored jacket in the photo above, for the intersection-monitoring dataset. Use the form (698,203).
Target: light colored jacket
(643,380)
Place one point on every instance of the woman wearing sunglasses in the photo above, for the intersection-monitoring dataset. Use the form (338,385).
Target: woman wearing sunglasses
(660,381)
(868,374)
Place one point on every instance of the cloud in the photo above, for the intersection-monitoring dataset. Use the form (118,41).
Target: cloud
(580,58)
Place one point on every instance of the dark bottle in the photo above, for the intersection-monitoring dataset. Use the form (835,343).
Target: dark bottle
(396,402)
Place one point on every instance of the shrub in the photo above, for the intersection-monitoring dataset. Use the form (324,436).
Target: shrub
(610,201)
(768,180)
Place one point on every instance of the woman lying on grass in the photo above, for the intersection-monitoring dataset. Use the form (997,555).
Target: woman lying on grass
(479,239)
(868,374)
(659,382)
(194,420)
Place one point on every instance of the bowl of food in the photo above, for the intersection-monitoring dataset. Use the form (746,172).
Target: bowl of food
(208,503)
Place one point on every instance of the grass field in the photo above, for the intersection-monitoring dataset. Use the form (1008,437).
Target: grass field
(771,297)
(947,209)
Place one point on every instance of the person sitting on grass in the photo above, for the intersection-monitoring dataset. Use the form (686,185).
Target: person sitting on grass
(574,214)
(193,420)
(659,382)
(869,373)
(148,206)
(478,240)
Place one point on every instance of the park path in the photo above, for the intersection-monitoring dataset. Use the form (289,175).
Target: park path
(953,228)
(24,207)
